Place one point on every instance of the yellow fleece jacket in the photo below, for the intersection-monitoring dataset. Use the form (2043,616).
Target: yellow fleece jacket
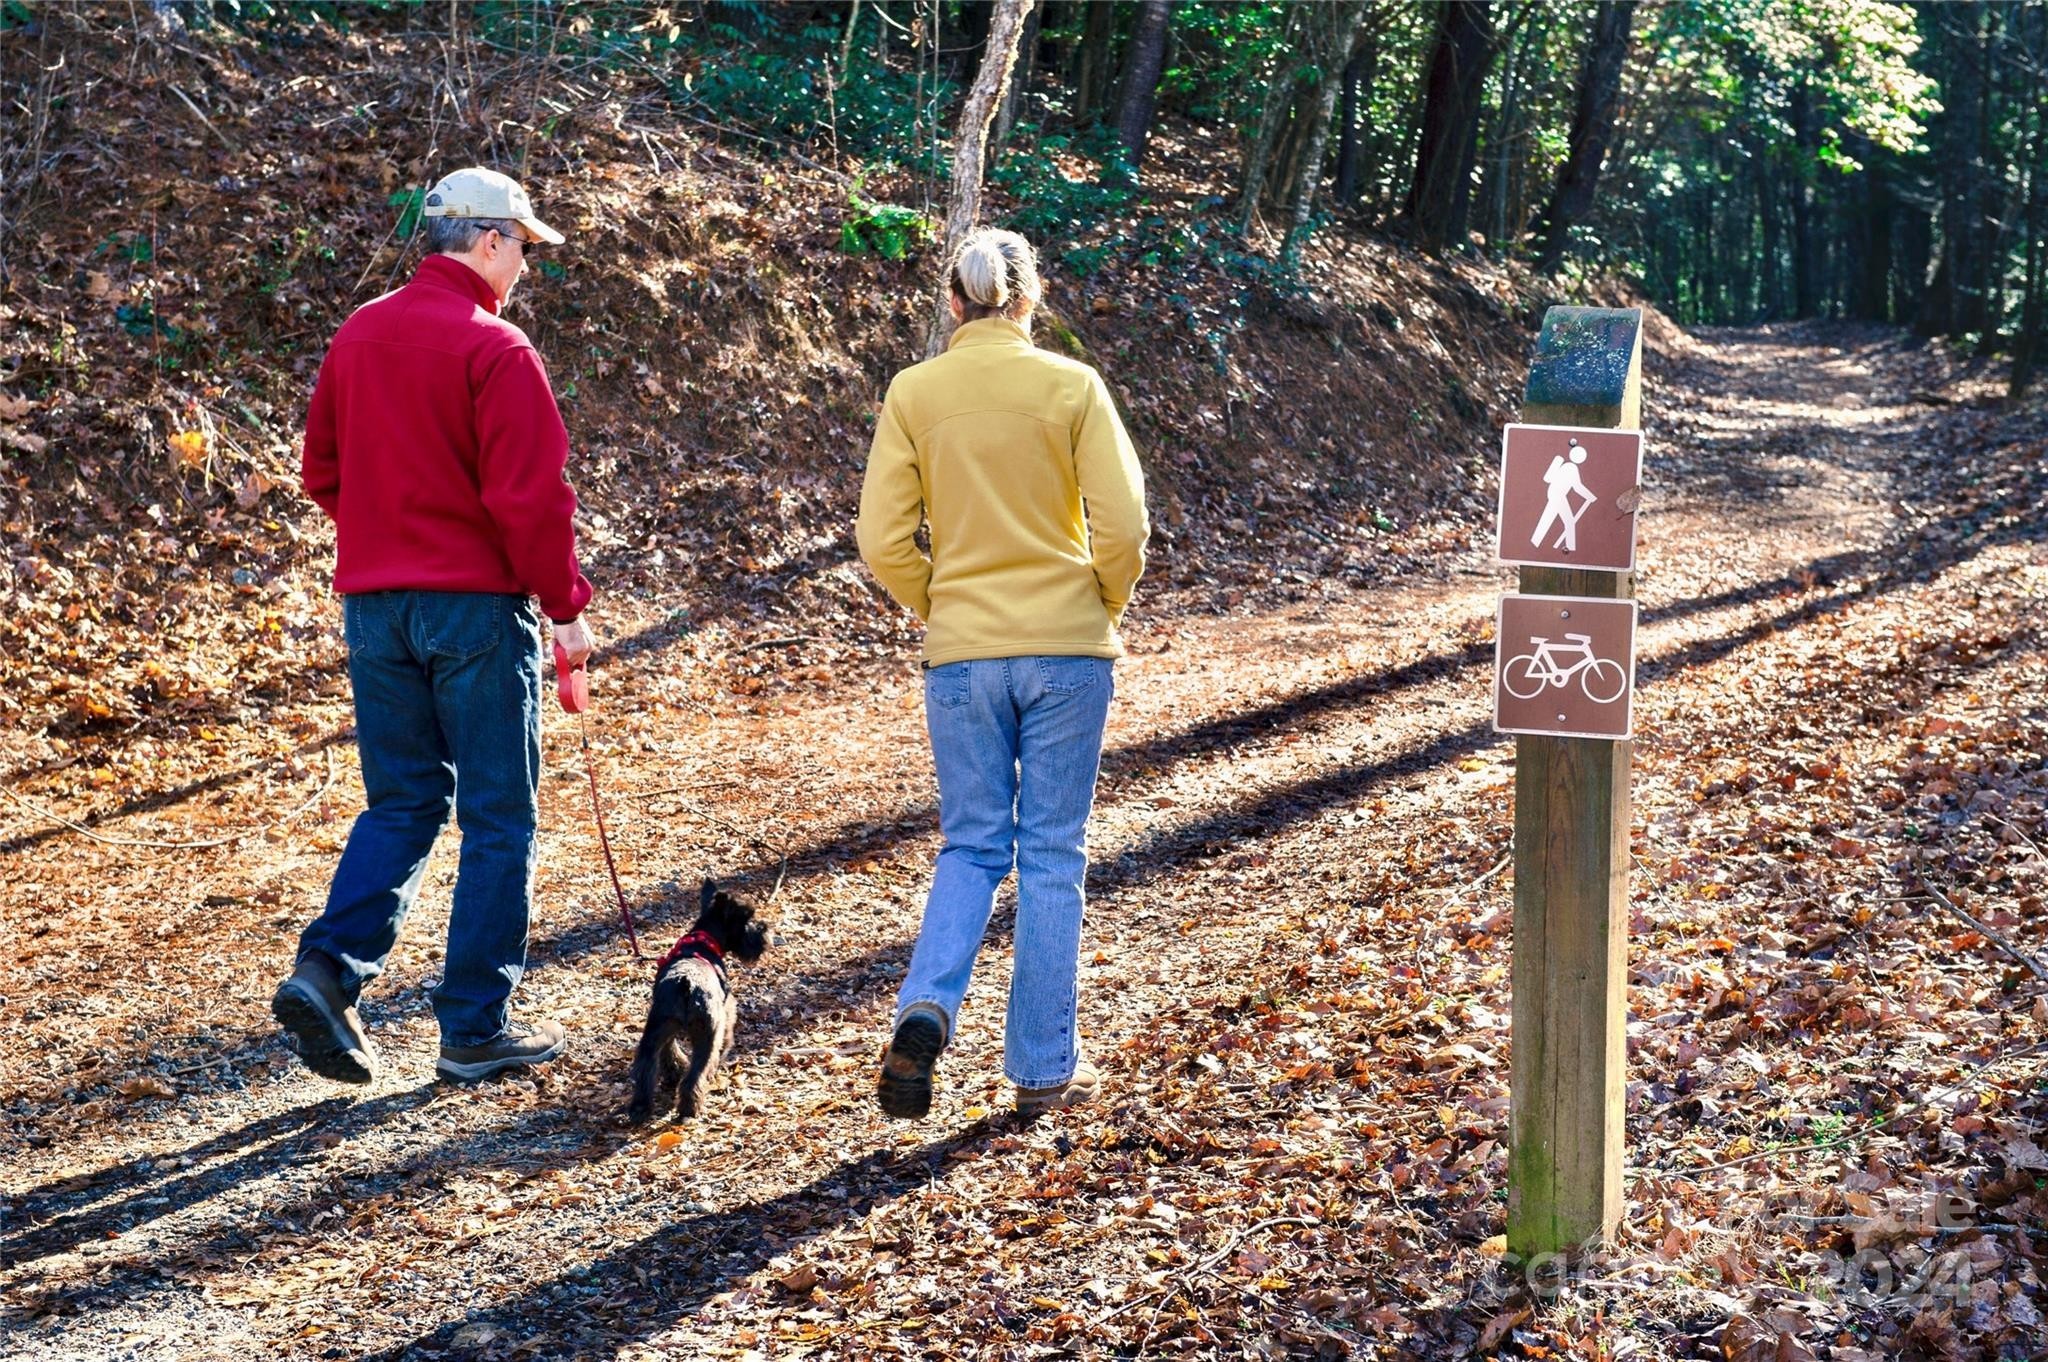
(1000,446)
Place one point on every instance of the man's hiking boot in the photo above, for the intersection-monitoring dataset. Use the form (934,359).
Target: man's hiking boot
(321,1024)
(1076,1090)
(905,1086)
(517,1046)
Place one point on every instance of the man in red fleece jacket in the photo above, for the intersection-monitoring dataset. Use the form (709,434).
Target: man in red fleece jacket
(434,442)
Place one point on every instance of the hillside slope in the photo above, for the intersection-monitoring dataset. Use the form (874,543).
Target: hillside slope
(219,203)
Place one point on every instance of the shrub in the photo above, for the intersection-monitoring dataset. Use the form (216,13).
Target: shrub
(885,229)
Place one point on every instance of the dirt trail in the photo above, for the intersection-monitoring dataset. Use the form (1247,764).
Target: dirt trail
(1297,810)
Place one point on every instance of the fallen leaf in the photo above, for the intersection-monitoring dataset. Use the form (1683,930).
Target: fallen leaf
(1500,1325)
(190,447)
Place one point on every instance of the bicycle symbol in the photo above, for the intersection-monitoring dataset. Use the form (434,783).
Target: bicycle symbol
(1528,674)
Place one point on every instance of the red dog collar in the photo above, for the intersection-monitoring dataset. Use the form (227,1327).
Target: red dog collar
(703,944)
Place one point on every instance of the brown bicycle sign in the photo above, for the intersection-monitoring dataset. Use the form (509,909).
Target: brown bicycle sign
(1568,497)
(1564,666)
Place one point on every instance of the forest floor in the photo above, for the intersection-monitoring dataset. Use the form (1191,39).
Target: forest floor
(1294,979)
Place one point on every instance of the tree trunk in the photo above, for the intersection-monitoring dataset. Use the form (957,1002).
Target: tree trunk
(1354,121)
(1457,230)
(1098,58)
(2002,203)
(970,143)
(1501,140)
(1771,299)
(1279,93)
(1020,80)
(1592,126)
(1337,40)
(1703,255)
(1912,244)
(1294,134)
(1980,281)
(1144,60)
(1873,232)
(1454,90)
(1732,269)
(846,43)
(1805,253)
(1955,53)
(2026,346)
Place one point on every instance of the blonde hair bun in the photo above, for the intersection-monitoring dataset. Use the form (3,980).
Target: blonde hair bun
(997,270)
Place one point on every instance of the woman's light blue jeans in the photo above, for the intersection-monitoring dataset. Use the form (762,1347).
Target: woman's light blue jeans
(447,697)
(1017,741)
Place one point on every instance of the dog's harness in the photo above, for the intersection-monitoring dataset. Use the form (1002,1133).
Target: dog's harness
(700,945)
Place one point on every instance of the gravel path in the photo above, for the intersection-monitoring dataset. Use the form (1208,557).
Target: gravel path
(1273,775)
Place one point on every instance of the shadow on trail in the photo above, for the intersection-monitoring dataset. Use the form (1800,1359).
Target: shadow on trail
(1271,812)
(1166,850)
(265,1145)
(672,1272)
(82,1190)
(166,799)
(854,840)
(663,911)
(666,1276)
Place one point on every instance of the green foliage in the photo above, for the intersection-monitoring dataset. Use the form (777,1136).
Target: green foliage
(1750,58)
(278,15)
(1738,113)
(1220,58)
(885,229)
(140,318)
(1058,199)
(132,246)
(408,202)
(15,14)
(789,85)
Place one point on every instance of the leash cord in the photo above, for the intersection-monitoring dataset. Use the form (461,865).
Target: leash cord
(604,839)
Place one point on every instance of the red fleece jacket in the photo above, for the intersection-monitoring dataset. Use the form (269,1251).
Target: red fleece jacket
(434,442)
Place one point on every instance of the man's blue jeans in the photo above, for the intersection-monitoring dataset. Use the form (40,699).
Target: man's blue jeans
(447,697)
(1017,741)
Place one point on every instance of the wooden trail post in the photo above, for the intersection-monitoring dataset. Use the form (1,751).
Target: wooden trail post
(1569,973)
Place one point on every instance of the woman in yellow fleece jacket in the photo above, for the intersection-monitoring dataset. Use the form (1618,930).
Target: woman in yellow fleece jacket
(1018,462)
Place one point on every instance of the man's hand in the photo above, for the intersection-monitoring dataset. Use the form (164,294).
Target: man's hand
(573,639)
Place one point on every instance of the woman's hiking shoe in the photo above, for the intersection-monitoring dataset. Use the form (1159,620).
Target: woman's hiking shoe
(515,1046)
(1076,1090)
(905,1086)
(320,1023)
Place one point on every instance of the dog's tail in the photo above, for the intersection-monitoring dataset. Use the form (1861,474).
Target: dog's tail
(662,1030)
(702,1036)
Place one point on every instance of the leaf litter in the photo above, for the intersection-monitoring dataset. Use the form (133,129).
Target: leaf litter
(1295,977)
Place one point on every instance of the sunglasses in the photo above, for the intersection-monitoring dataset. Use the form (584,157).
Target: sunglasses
(527,245)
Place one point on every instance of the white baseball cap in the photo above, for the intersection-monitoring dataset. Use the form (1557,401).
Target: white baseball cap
(475,192)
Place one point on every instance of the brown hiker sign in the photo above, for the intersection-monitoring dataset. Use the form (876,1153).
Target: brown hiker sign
(1568,497)
(1564,666)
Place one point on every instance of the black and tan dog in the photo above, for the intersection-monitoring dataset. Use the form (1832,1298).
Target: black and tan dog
(694,1005)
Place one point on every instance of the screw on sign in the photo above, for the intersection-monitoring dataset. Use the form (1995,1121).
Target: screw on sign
(1563,666)
(1568,496)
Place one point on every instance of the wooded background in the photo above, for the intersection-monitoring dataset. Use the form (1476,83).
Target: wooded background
(1298,985)
(1744,159)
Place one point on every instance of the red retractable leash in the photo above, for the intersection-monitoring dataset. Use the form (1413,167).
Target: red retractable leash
(572,688)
